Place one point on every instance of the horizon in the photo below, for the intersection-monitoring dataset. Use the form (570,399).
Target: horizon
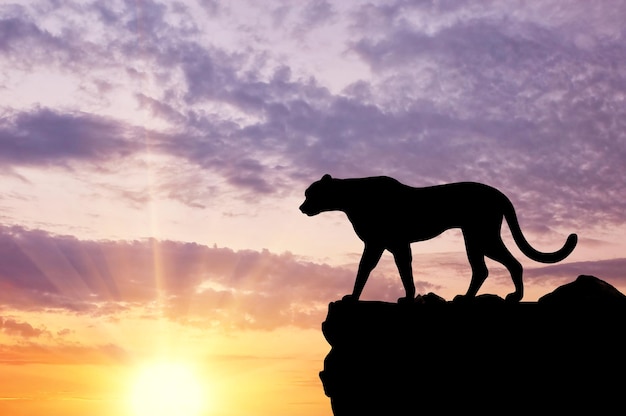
(154,156)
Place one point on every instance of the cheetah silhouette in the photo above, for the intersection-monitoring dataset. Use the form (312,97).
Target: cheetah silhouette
(388,215)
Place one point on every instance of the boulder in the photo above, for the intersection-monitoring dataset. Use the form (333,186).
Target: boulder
(585,291)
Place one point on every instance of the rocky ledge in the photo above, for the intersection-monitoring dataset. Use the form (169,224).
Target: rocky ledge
(561,354)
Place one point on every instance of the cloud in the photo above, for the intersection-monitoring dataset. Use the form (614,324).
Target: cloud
(200,285)
(45,137)
(33,353)
(528,98)
(611,270)
(18,36)
(40,271)
(22,329)
(510,99)
(219,285)
(316,12)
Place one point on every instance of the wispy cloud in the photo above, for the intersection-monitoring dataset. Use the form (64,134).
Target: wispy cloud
(40,271)
(34,353)
(44,137)
(524,101)
(210,102)
(196,284)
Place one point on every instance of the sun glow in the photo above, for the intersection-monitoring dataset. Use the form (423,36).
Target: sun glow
(162,389)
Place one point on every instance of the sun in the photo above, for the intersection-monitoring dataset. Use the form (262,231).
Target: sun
(161,389)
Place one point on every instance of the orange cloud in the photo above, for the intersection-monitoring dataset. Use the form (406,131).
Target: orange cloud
(22,329)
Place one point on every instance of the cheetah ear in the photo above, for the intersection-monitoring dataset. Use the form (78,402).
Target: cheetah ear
(326,177)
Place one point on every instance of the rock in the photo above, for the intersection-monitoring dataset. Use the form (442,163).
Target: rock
(429,299)
(583,292)
(487,356)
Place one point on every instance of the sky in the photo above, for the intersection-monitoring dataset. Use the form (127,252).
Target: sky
(154,154)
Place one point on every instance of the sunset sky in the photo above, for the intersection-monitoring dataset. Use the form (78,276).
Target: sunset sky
(154,154)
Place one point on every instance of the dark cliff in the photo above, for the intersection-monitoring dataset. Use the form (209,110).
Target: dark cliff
(563,353)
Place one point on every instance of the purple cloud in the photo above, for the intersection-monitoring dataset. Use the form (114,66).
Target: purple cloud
(45,137)
(611,270)
(42,271)
(207,286)
(526,98)
(18,36)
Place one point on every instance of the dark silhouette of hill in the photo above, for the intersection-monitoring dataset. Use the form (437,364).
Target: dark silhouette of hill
(564,353)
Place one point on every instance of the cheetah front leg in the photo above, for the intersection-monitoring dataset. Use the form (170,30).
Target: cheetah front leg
(403,258)
(369,260)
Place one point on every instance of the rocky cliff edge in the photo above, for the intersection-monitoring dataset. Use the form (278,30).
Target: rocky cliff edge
(561,354)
